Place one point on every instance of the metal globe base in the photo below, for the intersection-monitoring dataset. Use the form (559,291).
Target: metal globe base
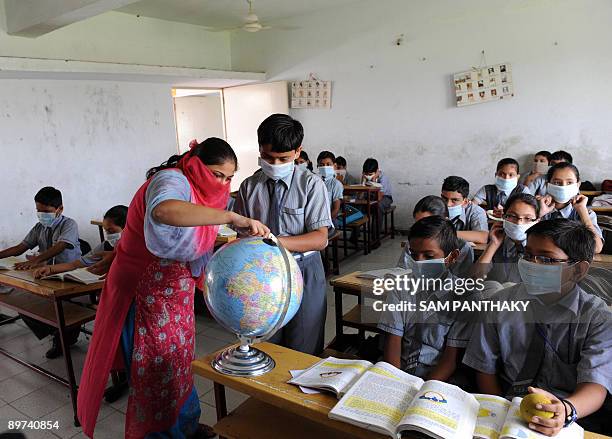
(244,361)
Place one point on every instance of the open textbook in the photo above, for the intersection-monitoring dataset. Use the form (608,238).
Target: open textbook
(9,263)
(384,272)
(382,398)
(80,275)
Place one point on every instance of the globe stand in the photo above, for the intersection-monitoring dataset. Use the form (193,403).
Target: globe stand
(243,360)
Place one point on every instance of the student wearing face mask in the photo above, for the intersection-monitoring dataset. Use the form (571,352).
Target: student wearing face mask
(55,235)
(507,240)
(538,185)
(435,206)
(303,161)
(541,163)
(426,344)
(494,196)
(342,173)
(561,346)
(469,220)
(113,224)
(294,203)
(563,200)
(335,190)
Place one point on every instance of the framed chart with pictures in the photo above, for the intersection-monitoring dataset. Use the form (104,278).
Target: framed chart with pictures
(312,93)
(483,84)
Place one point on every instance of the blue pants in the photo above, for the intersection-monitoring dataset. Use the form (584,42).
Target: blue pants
(189,415)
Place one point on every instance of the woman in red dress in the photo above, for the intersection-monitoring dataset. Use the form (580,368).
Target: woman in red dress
(147,300)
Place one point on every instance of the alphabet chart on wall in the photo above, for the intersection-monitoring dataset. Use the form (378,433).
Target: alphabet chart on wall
(484,84)
(312,93)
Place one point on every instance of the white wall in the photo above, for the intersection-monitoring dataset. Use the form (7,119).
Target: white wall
(92,140)
(396,103)
(198,117)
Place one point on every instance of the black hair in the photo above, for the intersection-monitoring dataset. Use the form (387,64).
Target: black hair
(562,165)
(340,161)
(282,132)
(118,215)
(456,184)
(370,165)
(326,155)
(49,196)
(573,237)
(432,204)
(212,151)
(543,153)
(523,198)
(438,228)
(507,161)
(562,155)
(304,156)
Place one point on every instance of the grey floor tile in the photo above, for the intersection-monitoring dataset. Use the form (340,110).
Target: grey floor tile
(209,415)
(43,401)
(202,385)
(65,418)
(21,385)
(232,397)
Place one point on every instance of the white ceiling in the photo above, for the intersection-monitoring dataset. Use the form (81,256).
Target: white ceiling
(226,13)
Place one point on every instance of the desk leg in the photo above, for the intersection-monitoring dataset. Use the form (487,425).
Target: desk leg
(339,327)
(101,232)
(220,402)
(59,313)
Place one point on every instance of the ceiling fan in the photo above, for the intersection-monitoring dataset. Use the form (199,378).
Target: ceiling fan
(252,23)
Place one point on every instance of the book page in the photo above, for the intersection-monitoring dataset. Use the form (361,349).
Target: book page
(516,428)
(491,416)
(82,275)
(377,401)
(382,273)
(331,373)
(443,410)
(9,263)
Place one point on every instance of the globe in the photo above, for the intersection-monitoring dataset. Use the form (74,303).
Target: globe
(253,287)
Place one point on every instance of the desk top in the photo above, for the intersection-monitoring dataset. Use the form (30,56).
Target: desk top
(600,260)
(224,239)
(273,389)
(602,210)
(46,288)
(96,223)
(351,282)
(361,188)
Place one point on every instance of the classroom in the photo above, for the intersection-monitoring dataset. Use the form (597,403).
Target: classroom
(295,219)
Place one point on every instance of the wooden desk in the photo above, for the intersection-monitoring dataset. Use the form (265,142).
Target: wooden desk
(602,210)
(368,196)
(98,223)
(46,301)
(272,389)
(274,395)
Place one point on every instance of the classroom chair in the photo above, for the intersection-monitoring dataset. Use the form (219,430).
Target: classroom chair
(390,211)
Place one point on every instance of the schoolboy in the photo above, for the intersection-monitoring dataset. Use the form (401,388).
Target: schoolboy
(371,173)
(538,185)
(507,175)
(541,163)
(562,345)
(342,173)
(469,220)
(293,202)
(426,344)
(335,190)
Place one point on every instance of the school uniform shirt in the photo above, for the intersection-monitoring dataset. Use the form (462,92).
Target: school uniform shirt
(472,218)
(304,206)
(335,190)
(577,333)
(568,212)
(437,329)
(538,186)
(386,189)
(462,266)
(65,230)
(481,195)
(90,258)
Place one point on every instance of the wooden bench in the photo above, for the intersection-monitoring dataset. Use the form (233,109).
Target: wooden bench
(360,226)
(386,231)
(335,260)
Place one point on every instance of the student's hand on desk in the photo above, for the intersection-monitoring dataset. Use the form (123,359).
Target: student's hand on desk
(42,272)
(547,204)
(103,265)
(552,426)
(27,265)
(254,227)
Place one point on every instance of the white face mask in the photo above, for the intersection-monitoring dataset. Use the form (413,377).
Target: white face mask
(516,232)
(341,172)
(326,172)
(46,218)
(113,238)
(562,194)
(428,269)
(303,165)
(368,177)
(276,172)
(539,278)
(455,211)
(506,185)
(540,168)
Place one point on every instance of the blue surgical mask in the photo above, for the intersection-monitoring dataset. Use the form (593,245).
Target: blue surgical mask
(113,238)
(341,172)
(562,194)
(276,172)
(506,185)
(455,211)
(540,278)
(302,165)
(327,172)
(46,218)
(516,232)
(428,269)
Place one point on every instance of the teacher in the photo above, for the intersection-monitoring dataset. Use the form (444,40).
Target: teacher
(147,300)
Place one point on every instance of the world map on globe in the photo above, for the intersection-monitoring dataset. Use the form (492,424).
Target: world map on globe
(246,286)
